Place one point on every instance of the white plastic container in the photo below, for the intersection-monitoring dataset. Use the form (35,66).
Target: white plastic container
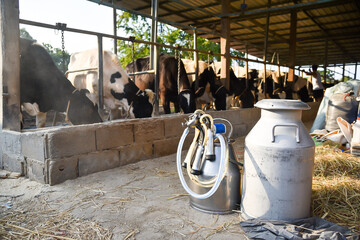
(278,163)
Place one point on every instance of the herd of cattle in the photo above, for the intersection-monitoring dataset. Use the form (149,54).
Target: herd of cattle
(44,87)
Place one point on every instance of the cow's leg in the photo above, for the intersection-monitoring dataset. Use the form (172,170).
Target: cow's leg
(166,106)
(165,102)
(176,106)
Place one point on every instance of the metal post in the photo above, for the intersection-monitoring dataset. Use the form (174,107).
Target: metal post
(101,73)
(266,44)
(278,62)
(154,21)
(9,65)
(196,60)
(115,29)
(247,65)
(356,64)
(154,51)
(326,60)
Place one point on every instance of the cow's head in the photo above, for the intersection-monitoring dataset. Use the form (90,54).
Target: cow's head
(81,110)
(218,91)
(204,78)
(187,101)
(140,103)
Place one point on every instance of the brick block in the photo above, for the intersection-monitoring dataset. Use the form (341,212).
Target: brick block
(166,146)
(99,161)
(173,127)
(114,136)
(35,170)
(135,153)
(60,170)
(33,145)
(146,131)
(71,141)
(240,130)
(13,163)
(11,142)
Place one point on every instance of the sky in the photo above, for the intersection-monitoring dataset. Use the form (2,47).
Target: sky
(86,15)
(79,14)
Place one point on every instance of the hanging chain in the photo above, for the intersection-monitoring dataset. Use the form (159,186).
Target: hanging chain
(62,27)
(63,50)
(178,73)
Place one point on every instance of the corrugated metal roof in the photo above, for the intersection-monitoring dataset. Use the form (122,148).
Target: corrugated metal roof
(318,21)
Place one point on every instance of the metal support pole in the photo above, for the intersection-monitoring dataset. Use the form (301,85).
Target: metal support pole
(278,62)
(115,29)
(196,60)
(101,73)
(356,64)
(154,23)
(326,60)
(266,44)
(247,65)
(154,52)
(343,73)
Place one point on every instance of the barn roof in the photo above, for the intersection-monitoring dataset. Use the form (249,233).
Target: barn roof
(318,21)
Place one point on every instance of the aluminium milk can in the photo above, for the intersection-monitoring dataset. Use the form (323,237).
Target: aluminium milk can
(278,163)
(227,197)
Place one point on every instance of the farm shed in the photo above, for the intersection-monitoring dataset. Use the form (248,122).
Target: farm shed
(301,32)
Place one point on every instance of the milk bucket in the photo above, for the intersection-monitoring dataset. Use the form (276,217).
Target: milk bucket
(278,163)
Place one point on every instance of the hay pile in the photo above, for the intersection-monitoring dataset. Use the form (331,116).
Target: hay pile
(34,222)
(336,187)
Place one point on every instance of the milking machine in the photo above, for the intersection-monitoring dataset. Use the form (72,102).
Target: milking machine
(210,164)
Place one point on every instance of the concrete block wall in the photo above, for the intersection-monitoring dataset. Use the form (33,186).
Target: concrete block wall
(54,155)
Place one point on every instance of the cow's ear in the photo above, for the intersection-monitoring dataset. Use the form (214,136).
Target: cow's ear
(150,93)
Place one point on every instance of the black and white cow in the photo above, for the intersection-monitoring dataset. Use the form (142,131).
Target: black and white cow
(119,90)
(240,91)
(44,86)
(168,86)
(277,86)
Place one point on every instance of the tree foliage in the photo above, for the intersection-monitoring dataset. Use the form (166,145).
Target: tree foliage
(140,28)
(55,53)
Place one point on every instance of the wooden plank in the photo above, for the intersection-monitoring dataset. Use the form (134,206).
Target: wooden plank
(225,45)
(10,65)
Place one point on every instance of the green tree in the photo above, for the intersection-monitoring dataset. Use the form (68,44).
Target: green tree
(25,34)
(55,53)
(140,28)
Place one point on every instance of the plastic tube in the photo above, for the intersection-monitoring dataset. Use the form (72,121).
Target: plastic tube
(220,174)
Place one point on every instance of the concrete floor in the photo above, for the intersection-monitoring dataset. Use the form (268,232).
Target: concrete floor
(144,200)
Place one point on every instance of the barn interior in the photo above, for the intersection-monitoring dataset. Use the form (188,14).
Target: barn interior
(299,33)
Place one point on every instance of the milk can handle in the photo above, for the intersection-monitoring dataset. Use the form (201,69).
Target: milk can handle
(286,125)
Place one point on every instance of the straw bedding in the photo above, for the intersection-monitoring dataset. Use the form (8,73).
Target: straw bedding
(336,187)
(43,222)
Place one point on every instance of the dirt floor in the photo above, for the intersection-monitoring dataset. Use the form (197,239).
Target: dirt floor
(138,201)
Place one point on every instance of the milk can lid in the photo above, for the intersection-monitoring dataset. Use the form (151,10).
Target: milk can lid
(285,104)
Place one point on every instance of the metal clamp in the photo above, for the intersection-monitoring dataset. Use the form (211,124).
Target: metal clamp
(286,125)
